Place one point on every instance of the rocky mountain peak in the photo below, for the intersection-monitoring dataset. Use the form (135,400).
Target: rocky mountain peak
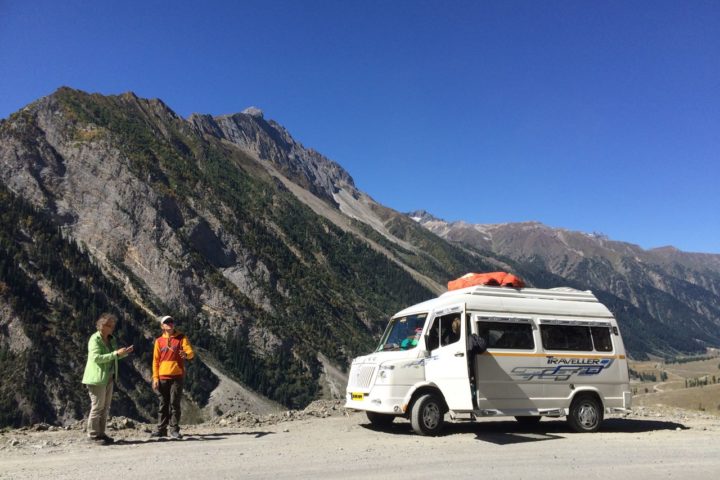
(422,216)
(271,142)
(254,112)
(667,249)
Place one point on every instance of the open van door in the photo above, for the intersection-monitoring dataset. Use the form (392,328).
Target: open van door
(447,365)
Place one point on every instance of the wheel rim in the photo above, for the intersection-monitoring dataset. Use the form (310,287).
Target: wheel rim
(587,415)
(431,415)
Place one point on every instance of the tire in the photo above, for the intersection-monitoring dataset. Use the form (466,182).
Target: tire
(428,415)
(380,420)
(528,420)
(586,414)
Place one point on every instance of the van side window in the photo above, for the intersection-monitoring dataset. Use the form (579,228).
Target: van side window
(511,336)
(601,339)
(444,331)
(449,329)
(566,337)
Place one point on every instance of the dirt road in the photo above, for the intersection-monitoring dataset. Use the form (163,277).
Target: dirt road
(646,444)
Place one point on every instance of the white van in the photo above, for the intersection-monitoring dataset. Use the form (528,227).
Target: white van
(525,353)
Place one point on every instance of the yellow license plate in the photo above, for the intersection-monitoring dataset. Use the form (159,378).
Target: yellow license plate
(357,396)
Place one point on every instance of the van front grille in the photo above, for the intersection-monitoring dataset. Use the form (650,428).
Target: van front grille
(360,376)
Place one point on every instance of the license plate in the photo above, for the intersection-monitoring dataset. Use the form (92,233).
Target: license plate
(356,396)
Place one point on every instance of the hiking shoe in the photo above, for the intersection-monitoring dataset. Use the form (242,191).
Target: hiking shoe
(99,440)
(175,434)
(105,438)
(158,434)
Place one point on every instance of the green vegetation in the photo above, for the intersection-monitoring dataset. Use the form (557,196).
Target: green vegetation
(700,381)
(644,376)
(687,359)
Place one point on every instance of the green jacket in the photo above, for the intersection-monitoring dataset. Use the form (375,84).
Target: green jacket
(101,362)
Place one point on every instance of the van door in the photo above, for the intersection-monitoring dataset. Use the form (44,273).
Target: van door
(447,365)
(506,372)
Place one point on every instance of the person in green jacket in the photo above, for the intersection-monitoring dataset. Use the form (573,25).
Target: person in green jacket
(101,370)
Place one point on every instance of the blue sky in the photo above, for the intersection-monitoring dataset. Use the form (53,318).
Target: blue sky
(598,116)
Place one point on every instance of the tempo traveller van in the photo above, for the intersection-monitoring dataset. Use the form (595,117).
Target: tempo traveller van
(487,351)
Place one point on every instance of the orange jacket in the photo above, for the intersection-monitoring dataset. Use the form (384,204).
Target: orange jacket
(167,363)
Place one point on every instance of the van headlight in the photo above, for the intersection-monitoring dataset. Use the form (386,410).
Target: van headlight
(384,373)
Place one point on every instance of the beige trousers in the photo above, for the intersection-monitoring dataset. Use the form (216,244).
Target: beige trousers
(100,398)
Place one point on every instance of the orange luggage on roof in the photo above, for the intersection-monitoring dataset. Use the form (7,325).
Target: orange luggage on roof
(496,279)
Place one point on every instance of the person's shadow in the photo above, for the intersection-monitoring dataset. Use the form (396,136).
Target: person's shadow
(190,437)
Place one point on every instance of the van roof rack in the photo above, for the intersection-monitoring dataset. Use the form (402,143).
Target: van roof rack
(559,293)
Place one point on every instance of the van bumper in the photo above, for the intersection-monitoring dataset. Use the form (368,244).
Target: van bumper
(627,400)
(620,405)
(380,399)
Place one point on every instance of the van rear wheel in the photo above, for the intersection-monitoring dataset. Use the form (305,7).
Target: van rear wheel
(380,420)
(428,415)
(586,414)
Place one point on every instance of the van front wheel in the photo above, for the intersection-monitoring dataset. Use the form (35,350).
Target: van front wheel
(427,415)
(586,414)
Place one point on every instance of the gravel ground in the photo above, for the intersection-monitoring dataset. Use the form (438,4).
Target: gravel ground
(326,441)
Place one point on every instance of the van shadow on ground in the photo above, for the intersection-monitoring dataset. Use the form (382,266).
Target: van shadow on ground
(510,431)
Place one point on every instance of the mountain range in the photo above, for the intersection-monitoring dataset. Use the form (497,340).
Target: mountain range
(277,267)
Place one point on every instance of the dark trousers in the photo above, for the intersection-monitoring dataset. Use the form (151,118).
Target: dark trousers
(170,393)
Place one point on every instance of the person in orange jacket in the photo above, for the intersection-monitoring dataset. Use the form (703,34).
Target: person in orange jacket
(171,351)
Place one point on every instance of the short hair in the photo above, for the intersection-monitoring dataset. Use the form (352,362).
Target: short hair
(105,318)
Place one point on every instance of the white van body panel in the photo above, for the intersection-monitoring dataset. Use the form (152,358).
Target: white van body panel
(447,366)
(507,381)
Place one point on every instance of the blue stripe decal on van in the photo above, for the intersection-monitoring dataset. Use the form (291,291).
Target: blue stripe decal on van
(561,369)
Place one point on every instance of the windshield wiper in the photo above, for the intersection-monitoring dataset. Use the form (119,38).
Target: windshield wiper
(390,346)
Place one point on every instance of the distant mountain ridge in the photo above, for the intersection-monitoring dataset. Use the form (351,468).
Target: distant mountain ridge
(495,237)
(277,266)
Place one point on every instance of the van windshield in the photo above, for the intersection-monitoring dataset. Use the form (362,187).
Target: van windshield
(403,333)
